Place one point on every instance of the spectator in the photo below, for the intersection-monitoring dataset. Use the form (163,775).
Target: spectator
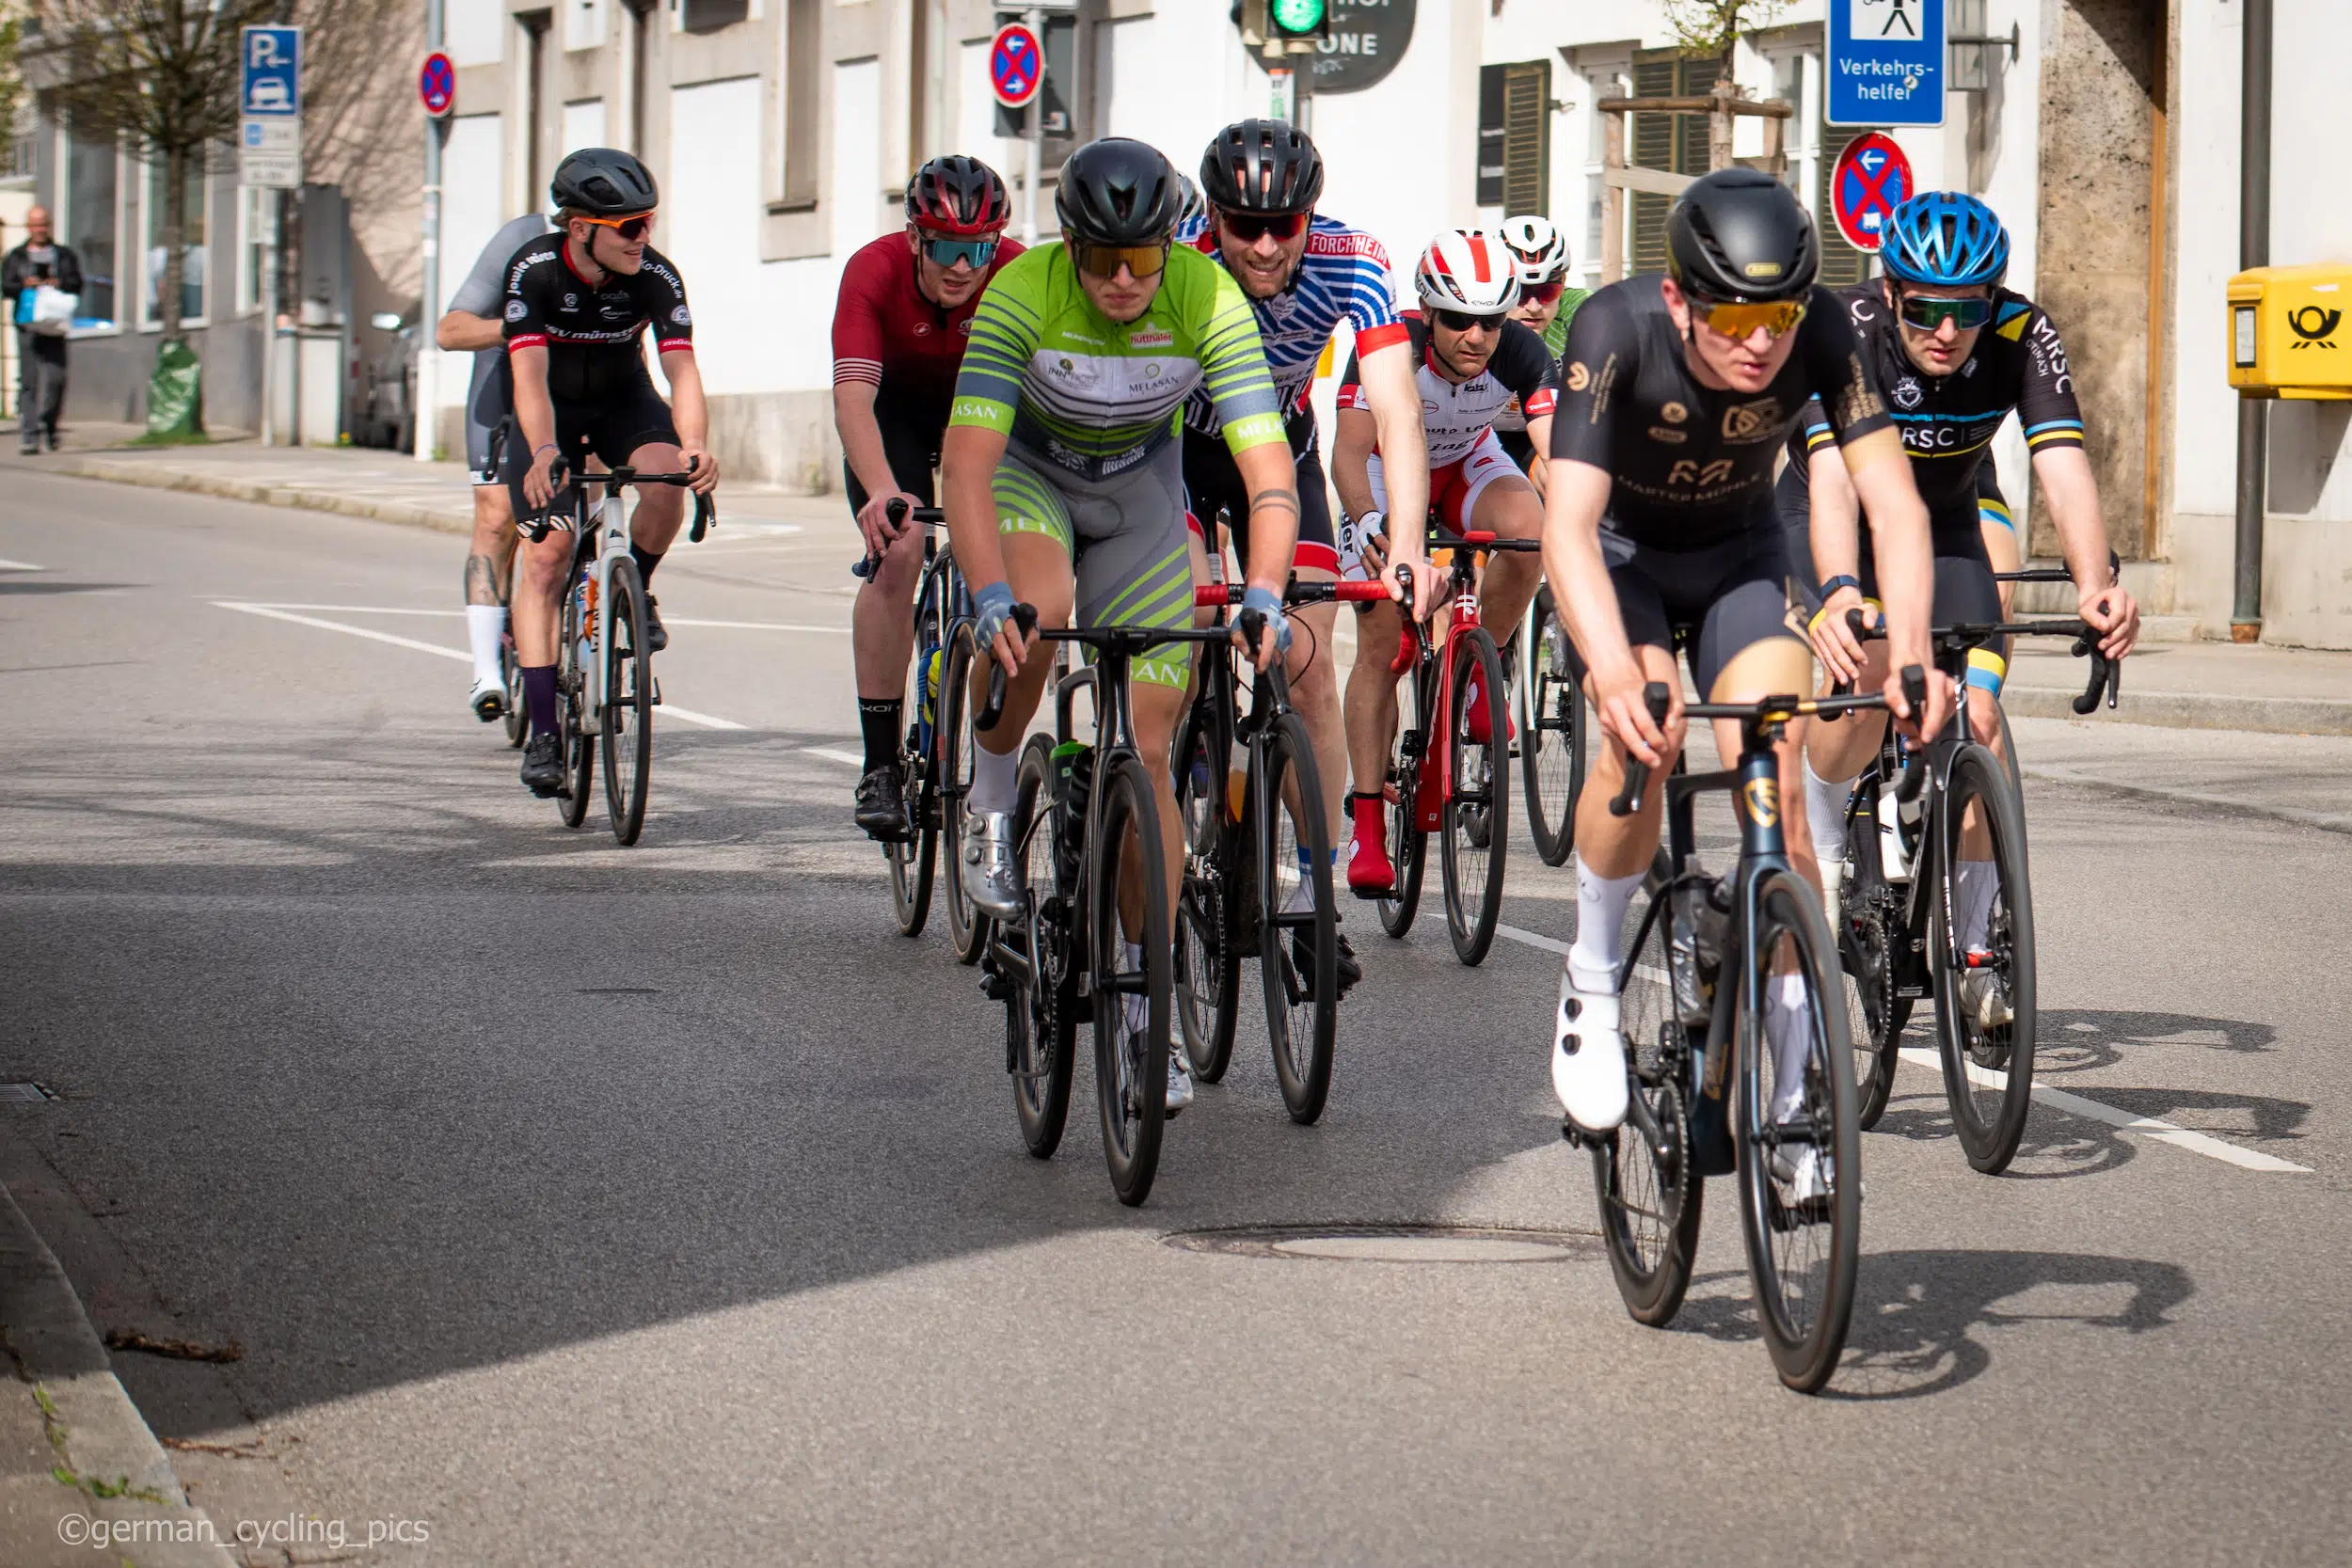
(40,356)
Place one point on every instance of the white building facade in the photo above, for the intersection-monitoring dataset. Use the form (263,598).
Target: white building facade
(783,131)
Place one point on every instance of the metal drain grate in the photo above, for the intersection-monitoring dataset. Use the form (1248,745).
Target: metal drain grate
(1394,1243)
(27,1093)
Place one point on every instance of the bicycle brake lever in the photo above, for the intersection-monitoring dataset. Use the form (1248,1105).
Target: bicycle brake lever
(1659,698)
(705,519)
(1023,616)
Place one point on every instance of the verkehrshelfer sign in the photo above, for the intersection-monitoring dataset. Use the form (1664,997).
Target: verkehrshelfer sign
(1885,62)
(269,98)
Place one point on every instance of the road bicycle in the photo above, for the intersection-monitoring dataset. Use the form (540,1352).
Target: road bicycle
(1709,1094)
(1087,832)
(1554,723)
(1257,865)
(604,685)
(1460,788)
(1903,932)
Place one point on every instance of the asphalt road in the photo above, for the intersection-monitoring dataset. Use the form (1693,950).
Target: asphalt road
(587,1205)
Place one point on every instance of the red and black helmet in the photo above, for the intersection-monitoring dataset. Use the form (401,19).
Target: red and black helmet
(957,195)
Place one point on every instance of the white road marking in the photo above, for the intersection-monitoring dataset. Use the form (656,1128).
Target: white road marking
(670,620)
(20,566)
(756,626)
(2058,1099)
(669,710)
(830,755)
(346,608)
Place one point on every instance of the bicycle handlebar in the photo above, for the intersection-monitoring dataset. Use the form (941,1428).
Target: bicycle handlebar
(1220,596)
(2104,672)
(1658,697)
(560,474)
(900,513)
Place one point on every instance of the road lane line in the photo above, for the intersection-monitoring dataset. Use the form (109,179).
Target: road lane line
(2058,1099)
(20,566)
(832,755)
(668,620)
(346,608)
(669,710)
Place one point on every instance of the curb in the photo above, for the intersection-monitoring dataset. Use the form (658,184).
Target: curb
(2189,710)
(100,1432)
(2233,804)
(268,495)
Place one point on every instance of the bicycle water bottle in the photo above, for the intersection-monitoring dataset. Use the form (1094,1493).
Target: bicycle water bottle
(585,611)
(1074,785)
(1894,861)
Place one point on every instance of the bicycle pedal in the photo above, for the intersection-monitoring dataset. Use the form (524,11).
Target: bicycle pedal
(996,988)
(1574,1134)
(657,692)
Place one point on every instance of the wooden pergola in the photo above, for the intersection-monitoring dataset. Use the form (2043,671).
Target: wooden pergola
(1722,108)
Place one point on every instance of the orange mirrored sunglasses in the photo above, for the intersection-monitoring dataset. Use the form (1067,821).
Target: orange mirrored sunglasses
(634,227)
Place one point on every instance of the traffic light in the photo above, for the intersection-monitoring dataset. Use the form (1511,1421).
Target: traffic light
(1298,21)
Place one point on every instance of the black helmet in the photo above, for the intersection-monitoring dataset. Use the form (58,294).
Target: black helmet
(957,195)
(1118,191)
(604,183)
(1262,165)
(1740,234)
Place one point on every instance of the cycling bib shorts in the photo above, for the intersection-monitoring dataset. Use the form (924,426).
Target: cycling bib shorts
(1455,490)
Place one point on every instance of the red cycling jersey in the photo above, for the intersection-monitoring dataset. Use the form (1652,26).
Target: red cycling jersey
(888,336)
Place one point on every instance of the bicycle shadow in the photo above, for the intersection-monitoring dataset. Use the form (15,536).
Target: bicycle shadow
(2054,1146)
(2081,1039)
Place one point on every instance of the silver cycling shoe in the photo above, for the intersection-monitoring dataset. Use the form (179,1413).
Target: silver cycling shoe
(991,879)
(1984,998)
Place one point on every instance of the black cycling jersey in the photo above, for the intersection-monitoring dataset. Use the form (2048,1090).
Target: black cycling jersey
(590,330)
(1691,467)
(1455,416)
(1947,421)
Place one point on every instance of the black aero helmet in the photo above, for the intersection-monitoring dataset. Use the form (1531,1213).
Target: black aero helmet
(605,183)
(1740,234)
(1262,165)
(1118,191)
(957,195)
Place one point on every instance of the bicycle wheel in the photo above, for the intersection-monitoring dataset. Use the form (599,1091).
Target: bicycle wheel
(628,734)
(1407,842)
(1476,814)
(511,676)
(1800,1152)
(1868,951)
(1298,932)
(1041,1004)
(1649,1194)
(1208,994)
(951,748)
(1130,1064)
(913,859)
(579,753)
(1988,1065)
(1551,745)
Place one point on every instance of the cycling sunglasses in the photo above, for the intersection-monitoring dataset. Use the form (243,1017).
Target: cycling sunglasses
(1460,320)
(629,228)
(1544,294)
(1247,227)
(1741,321)
(1928,313)
(947,252)
(1104,261)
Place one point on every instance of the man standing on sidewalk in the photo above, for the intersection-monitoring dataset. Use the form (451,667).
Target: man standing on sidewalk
(40,356)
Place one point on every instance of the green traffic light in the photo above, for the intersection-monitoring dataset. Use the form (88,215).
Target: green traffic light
(1297,18)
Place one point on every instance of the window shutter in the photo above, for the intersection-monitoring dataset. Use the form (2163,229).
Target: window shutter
(1841,263)
(1526,138)
(1676,143)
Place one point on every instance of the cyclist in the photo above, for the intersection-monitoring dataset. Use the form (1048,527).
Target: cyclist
(1469,360)
(1065,485)
(1678,393)
(1546,306)
(576,306)
(1956,353)
(471,321)
(898,332)
(1303,274)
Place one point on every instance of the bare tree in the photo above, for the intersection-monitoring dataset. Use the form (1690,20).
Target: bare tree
(1711,29)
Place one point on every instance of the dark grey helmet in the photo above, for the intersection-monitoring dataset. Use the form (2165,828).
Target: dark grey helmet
(1740,234)
(605,183)
(1118,191)
(1262,165)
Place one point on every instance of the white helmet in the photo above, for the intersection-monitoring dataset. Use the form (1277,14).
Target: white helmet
(1470,271)
(1537,249)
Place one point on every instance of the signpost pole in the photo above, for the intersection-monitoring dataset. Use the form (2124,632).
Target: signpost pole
(1036,123)
(269,322)
(270,158)
(428,353)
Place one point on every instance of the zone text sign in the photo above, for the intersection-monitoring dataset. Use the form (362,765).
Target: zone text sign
(1885,62)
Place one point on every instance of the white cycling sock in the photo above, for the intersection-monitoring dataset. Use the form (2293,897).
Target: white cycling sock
(1825,814)
(1599,948)
(1788,1025)
(485,629)
(995,780)
(1974,883)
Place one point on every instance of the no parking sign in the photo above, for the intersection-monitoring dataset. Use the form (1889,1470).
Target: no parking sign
(1016,65)
(1873,179)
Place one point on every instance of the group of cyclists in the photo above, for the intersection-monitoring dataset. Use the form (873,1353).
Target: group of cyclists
(1722,462)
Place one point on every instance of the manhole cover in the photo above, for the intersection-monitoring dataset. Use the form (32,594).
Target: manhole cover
(26,1094)
(1394,1243)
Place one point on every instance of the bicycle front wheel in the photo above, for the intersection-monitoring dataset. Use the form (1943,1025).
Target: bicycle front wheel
(1871,949)
(1551,751)
(1132,996)
(1408,844)
(1298,932)
(579,751)
(1041,1001)
(1649,1191)
(511,676)
(1800,1152)
(952,748)
(1208,993)
(913,859)
(627,734)
(1984,972)
(1476,814)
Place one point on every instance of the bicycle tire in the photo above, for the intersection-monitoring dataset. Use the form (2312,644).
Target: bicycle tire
(968,929)
(1650,1198)
(1407,756)
(625,737)
(1872,957)
(1298,952)
(511,676)
(1989,1124)
(1475,818)
(1804,1313)
(580,752)
(1129,1071)
(913,860)
(1042,1016)
(1207,957)
(1553,733)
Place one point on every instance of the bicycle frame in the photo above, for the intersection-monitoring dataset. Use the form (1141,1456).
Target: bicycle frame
(607,525)
(1416,650)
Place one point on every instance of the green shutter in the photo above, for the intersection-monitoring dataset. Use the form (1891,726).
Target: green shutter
(1526,138)
(1841,263)
(1676,143)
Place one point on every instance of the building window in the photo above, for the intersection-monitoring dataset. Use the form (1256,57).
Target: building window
(1514,138)
(803,53)
(89,223)
(708,16)
(192,247)
(1676,143)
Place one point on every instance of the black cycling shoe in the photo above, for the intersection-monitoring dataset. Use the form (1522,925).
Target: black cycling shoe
(1347,971)
(881,806)
(543,765)
(656,637)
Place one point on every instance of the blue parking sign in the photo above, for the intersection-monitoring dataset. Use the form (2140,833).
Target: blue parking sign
(272,70)
(1885,62)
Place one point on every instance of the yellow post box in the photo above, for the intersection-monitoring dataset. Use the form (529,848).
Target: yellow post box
(2291,332)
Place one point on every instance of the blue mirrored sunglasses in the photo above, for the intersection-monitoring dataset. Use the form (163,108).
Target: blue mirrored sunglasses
(1928,313)
(947,252)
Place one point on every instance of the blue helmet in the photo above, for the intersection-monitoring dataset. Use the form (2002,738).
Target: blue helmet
(1947,240)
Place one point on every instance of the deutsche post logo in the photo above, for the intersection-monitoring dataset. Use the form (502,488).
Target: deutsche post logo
(1579,376)
(1763,799)
(2315,325)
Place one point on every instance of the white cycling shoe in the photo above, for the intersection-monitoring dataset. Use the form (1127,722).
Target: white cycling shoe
(1134,1013)
(488,698)
(991,879)
(1588,1057)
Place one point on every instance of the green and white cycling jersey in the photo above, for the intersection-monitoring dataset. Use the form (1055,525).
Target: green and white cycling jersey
(1092,397)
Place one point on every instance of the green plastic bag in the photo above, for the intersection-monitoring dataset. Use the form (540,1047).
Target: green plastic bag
(175,394)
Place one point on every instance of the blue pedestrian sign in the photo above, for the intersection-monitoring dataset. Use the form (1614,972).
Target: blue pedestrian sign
(1885,62)
(272,70)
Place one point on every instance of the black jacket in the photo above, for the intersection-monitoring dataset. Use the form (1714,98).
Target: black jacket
(16,273)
